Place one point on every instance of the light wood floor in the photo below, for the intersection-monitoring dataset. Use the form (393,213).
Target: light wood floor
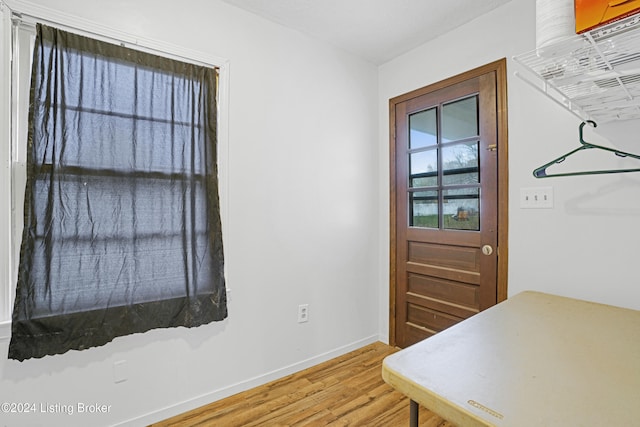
(345,391)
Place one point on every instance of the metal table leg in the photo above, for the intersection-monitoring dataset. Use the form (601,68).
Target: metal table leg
(413,413)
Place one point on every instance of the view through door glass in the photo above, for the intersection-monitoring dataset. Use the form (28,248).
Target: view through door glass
(444,177)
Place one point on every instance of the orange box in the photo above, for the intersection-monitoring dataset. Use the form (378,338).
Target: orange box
(594,13)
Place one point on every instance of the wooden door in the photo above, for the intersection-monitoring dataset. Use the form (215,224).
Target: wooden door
(448,187)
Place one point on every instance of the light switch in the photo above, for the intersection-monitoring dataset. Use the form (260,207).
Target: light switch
(536,198)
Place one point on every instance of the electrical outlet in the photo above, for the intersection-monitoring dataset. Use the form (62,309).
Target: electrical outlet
(303,313)
(536,198)
(120,371)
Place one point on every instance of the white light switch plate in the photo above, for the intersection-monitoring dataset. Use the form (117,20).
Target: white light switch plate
(536,198)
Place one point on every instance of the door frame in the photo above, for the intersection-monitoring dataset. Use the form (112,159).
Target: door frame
(500,69)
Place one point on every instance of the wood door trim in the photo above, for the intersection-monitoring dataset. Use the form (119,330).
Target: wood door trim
(499,67)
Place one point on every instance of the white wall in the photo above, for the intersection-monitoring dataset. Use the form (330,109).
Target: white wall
(307,220)
(301,225)
(585,247)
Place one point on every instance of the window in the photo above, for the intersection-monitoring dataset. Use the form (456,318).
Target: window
(122,229)
(444,176)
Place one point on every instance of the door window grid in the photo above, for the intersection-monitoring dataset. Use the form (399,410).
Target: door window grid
(444,166)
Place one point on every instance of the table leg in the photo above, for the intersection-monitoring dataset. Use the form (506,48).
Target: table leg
(413,413)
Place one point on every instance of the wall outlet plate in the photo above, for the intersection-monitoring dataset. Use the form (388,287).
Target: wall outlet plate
(303,313)
(120,371)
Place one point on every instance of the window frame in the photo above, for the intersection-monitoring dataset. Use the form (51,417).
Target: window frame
(13,156)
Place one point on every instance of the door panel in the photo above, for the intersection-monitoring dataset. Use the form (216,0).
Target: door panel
(458,260)
(445,198)
(430,321)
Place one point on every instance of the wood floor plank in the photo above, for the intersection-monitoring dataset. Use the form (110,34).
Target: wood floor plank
(345,391)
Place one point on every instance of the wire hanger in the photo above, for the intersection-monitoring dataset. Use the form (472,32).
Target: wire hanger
(541,172)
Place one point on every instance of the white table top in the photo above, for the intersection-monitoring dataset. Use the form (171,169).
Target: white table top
(533,360)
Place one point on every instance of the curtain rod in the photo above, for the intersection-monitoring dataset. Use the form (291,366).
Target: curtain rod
(111,35)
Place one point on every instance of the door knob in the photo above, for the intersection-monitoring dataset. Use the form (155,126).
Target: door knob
(487,250)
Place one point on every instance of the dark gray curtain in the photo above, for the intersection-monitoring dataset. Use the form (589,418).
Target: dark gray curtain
(122,225)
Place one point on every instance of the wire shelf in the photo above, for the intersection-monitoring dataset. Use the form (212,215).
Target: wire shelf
(595,75)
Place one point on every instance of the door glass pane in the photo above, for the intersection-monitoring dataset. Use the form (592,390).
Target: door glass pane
(461,209)
(424,168)
(423,129)
(423,209)
(460,164)
(460,119)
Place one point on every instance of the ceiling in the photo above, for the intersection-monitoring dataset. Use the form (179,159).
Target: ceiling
(376,30)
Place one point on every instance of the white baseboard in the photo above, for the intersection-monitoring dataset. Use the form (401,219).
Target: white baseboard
(196,402)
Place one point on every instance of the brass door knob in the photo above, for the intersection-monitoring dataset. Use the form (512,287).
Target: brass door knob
(487,250)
